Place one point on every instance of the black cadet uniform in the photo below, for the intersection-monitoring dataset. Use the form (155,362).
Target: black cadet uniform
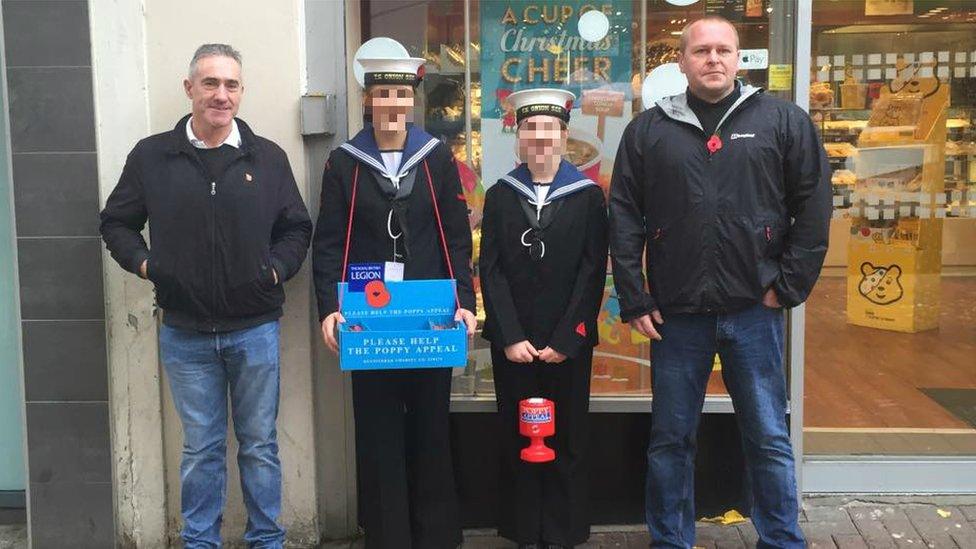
(406,485)
(550,299)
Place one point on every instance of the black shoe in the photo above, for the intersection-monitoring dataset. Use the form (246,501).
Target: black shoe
(529,546)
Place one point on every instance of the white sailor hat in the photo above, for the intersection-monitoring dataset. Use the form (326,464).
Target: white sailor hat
(548,101)
(404,70)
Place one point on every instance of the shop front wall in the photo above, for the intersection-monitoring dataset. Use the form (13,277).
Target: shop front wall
(882,375)
(477,54)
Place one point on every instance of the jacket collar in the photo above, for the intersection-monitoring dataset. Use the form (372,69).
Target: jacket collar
(180,143)
(418,145)
(233,138)
(568,180)
(676,106)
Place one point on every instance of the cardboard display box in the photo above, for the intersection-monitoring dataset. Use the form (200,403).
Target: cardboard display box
(895,249)
(397,325)
(893,287)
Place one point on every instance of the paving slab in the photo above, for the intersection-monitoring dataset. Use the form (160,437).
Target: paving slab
(13,536)
(819,535)
(849,541)
(969,511)
(748,533)
(716,534)
(638,539)
(867,520)
(902,531)
(934,528)
(964,535)
(826,513)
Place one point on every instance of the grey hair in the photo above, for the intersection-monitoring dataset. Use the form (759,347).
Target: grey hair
(209,50)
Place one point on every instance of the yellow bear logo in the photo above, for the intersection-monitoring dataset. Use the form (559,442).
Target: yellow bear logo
(881,285)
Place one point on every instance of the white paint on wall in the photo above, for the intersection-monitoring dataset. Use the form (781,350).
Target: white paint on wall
(121,119)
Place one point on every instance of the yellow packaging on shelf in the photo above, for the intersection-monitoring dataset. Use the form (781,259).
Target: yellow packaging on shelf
(893,272)
(893,286)
(853,94)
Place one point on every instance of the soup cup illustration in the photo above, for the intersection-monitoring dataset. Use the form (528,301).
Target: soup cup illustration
(582,150)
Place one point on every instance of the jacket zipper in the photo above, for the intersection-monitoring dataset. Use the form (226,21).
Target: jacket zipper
(213,233)
(213,254)
(213,242)
(713,200)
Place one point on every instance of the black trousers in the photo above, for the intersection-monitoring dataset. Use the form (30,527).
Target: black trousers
(544,501)
(407,497)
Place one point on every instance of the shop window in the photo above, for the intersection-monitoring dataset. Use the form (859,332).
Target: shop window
(474,62)
(891,326)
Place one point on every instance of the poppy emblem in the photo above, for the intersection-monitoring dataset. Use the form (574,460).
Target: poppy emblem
(581,329)
(377,296)
(714,143)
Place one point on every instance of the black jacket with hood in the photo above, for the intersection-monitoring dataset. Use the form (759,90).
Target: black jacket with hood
(719,228)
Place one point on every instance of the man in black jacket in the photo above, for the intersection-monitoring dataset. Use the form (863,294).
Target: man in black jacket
(228,227)
(728,192)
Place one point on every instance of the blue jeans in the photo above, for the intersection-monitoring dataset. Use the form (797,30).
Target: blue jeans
(201,368)
(750,344)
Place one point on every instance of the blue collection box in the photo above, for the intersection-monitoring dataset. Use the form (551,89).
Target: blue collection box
(390,325)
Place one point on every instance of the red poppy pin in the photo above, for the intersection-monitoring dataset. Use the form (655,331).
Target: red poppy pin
(569,104)
(377,296)
(421,72)
(714,143)
(581,329)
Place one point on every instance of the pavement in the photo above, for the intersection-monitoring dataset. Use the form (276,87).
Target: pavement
(13,536)
(829,522)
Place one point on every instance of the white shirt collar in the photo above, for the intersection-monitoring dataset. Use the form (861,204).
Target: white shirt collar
(233,138)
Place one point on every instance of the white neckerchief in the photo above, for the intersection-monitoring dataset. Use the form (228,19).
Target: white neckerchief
(391,160)
(541,191)
(233,138)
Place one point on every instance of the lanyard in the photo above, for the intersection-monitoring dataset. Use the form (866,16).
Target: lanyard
(532,237)
(437,216)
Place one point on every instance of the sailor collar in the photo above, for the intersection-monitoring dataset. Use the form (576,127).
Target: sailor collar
(417,146)
(568,181)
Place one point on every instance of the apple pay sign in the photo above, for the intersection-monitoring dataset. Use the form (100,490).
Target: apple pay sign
(753,59)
